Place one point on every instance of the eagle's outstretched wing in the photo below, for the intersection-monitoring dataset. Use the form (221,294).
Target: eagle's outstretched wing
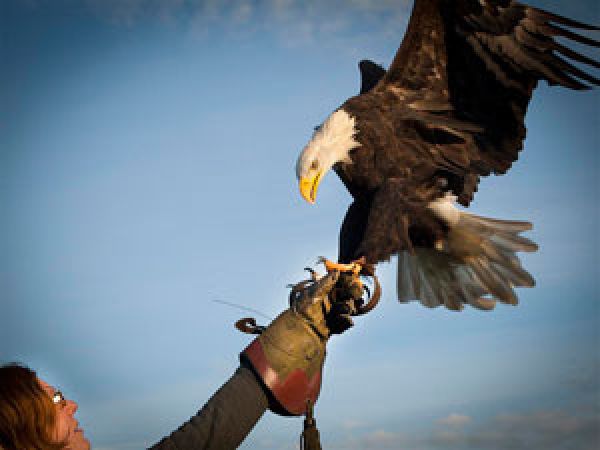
(467,70)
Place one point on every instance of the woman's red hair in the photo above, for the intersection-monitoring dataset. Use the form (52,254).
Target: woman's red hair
(27,414)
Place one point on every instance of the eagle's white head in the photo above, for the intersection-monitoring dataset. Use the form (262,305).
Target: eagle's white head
(330,143)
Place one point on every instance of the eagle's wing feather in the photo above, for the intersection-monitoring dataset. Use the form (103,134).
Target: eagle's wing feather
(468,69)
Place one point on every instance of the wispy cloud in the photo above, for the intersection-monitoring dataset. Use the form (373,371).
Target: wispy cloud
(352,424)
(292,22)
(382,438)
(539,429)
(455,420)
(242,12)
(374,439)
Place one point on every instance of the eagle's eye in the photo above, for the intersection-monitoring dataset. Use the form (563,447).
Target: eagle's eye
(314,165)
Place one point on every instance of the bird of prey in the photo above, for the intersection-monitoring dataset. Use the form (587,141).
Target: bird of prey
(417,139)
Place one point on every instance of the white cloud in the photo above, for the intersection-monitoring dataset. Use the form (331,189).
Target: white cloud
(378,439)
(455,420)
(381,437)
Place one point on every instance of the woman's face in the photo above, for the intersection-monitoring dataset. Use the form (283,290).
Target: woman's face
(66,426)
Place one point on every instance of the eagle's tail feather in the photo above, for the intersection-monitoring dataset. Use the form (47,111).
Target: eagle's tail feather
(475,264)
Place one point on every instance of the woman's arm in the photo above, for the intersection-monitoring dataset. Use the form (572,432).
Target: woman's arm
(225,420)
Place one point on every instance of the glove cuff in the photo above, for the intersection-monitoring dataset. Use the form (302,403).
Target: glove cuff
(288,357)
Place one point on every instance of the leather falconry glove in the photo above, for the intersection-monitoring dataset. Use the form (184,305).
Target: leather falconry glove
(288,355)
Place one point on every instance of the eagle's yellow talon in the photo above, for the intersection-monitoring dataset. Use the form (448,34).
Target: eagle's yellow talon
(354,267)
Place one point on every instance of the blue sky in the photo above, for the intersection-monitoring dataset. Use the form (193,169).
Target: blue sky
(147,155)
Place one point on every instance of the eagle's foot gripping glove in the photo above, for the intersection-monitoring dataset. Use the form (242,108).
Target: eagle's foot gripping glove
(347,300)
(288,355)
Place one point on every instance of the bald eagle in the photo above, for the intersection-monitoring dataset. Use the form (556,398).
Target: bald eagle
(416,140)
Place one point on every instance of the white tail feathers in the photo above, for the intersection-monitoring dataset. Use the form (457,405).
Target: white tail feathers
(476,264)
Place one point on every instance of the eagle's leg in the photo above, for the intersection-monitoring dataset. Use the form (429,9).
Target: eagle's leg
(347,297)
(349,281)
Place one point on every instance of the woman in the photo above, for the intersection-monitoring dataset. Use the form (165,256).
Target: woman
(34,415)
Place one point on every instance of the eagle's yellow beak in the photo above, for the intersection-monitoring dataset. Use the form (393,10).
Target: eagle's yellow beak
(308,187)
